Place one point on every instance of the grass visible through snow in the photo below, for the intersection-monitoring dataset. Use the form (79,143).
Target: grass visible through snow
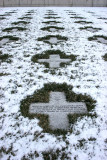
(26,137)
(43,96)
(46,54)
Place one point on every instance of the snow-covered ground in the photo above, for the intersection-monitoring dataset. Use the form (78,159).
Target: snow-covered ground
(21,138)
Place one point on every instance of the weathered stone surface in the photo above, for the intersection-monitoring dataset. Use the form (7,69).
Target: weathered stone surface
(54,61)
(87,3)
(11,3)
(99,3)
(58,109)
(1,2)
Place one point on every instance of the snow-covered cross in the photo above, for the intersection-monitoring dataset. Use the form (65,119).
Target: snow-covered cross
(54,61)
(58,109)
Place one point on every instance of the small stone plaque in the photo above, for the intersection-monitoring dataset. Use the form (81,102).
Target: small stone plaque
(74,107)
(54,61)
(58,109)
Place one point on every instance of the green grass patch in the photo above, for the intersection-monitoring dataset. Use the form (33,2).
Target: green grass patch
(95,37)
(48,22)
(102,18)
(55,155)
(51,14)
(11,12)
(31,11)
(50,11)
(49,17)
(7,14)
(28,14)
(47,38)
(25,18)
(20,22)
(12,28)
(12,38)
(46,54)
(5,57)
(76,17)
(83,22)
(2,15)
(53,27)
(5,150)
(1,18)
(89,27)
(51,71)
(43,97)
(72,14)
(4,74)
(105,57)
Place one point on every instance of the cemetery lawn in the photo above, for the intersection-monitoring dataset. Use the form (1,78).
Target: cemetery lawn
(22,138)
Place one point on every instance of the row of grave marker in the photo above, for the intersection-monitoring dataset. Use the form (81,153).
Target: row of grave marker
(55,40)
(57,108)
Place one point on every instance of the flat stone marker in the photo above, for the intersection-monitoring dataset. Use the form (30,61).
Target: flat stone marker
(53,40)
(58,109)
(4,41)
(92,29)
(54,61)
(53,29)
(101,40)
(53,23)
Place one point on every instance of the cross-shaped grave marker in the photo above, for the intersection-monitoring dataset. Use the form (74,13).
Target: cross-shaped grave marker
(54,61)
(58,109)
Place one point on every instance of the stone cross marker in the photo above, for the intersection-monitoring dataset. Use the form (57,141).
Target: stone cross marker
(58,109)
(54,61)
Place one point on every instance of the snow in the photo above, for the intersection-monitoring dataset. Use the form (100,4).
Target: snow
(89,71)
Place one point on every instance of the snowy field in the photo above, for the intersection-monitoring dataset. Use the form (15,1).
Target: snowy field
(22,138)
